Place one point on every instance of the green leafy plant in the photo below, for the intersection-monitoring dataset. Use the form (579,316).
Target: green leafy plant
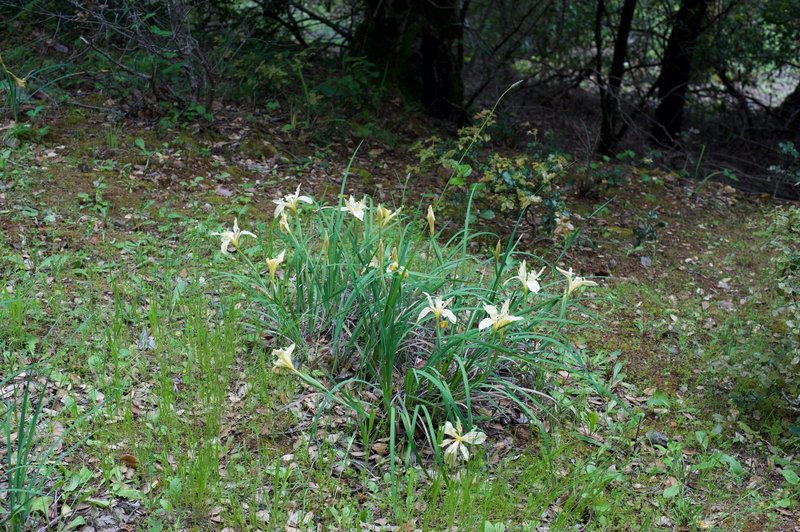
(144,151)
(369,298)
(646,230)
(13,86)
(789,171)
(519,184)
(97,201)
(783,369)
(513,185)
(5,157)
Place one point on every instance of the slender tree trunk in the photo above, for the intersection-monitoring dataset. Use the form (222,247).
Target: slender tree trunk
(380,35)
(418,44)
(676,69)
(789,109)
(609,94)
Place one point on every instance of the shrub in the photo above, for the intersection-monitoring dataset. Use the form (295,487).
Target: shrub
(513,185)
(768,372)
(789,171)
(785,367)
(518,183)
(364,304)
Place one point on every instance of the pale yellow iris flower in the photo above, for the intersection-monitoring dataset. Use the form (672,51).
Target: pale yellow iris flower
(291,202)
(438,307)
(385,216)
(457,442)
(356,208)
(274,262)
(574,281)
(497,320)
(529,280)
(232,236)
(283,359)
(19,82)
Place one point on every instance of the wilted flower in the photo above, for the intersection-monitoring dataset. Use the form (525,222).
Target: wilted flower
(431,220)
(385,216)
(356,208)
(283,223)
(290,201)
(574,281)
(273,264)
(394,266)
(378,258)
(283,359)
(563,226)
(233,236)
(438,308)
(529,280)
(497,320)
(458,442)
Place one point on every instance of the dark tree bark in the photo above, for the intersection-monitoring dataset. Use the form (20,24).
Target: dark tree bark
(789,109)
(418,44)
(676,69)
(609,93)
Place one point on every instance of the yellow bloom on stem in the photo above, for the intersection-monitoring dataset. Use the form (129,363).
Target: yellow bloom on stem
(394,266)
(273,264)
(431,220)
(356,208)
(283,359)
(232,236)
(497,320)
(574,281)
(385,216)
(291,202)
(438,308)
(19,82)
(283,223)
(457,442)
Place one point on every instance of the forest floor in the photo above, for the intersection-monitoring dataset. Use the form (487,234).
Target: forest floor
(97,222)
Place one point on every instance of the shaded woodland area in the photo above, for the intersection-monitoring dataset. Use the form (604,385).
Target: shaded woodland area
(672,76)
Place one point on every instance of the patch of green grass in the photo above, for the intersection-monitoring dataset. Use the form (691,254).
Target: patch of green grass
(162,379)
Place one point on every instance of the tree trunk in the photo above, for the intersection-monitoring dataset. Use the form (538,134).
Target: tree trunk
(676,69)
(609,94)
(418,44)
(789,109)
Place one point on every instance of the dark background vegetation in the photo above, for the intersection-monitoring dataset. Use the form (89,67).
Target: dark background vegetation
(691,83)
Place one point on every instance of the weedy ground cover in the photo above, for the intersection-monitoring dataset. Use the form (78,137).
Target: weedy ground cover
(346,362)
